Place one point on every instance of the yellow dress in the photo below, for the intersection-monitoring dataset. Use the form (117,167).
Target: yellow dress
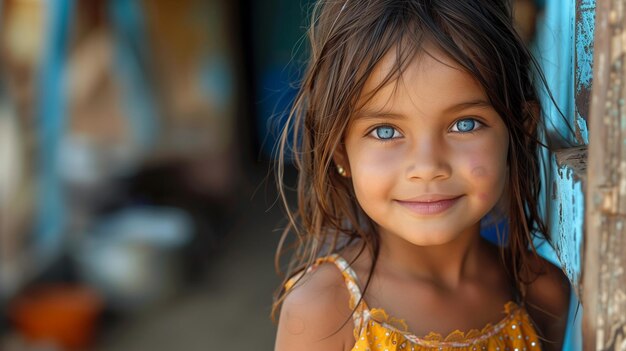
(376,331)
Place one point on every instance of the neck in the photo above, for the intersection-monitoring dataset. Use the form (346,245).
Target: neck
(446,265)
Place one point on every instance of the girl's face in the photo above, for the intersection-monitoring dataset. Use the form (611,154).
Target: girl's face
(428,155)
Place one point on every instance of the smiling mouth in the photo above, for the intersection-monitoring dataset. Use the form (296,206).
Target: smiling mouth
(431,206)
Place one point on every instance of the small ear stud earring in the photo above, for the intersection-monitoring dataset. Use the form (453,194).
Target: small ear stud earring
(342,171)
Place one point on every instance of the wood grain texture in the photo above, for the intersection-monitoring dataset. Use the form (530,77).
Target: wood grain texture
(604,278)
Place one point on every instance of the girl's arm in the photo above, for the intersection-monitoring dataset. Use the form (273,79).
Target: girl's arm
(315,315)
(548,303)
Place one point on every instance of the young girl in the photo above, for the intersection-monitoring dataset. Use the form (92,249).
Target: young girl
(416,120)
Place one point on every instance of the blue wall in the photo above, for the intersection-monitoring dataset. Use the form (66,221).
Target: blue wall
(564,47)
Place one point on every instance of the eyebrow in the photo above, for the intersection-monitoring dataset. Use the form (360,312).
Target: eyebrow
(369,114)
(372,114)
(477,103)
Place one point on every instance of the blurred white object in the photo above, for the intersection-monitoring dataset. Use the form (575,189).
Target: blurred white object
(14,203)
(80,161)
(132,258)
(11,166)
(86,162)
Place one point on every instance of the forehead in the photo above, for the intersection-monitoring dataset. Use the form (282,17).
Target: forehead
(430,80)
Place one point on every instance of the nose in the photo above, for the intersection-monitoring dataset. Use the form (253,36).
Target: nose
(428,160)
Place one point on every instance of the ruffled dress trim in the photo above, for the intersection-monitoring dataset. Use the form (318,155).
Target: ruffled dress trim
(375,330)
(456,338)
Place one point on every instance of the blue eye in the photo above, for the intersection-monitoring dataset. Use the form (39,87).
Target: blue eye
(465,125)
(385,133)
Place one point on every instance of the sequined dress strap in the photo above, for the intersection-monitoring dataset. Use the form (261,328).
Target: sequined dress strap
(350,278)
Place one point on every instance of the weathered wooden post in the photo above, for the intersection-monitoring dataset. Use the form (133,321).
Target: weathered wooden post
(604,275)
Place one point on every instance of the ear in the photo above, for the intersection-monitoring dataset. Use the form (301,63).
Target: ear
(340,158)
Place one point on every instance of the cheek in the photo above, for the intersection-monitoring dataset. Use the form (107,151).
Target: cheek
(484,197)
(478,170)
(371,162)
(485,164)
(487,172)
(373,171)
(483,167)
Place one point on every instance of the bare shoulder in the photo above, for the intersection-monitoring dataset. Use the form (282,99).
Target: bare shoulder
(548,301)
(316,315)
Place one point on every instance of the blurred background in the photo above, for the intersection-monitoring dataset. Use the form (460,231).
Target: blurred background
(137,206)
(137,203)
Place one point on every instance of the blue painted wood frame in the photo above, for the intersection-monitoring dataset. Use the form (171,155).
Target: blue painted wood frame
(564,47)
(51,115)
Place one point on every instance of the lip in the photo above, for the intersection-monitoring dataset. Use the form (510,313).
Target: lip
(431,204)
(431,198)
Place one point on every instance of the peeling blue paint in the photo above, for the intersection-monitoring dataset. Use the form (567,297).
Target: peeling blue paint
(585,26)
(584,44)
(564,48)
(557,26)
(569,197)
(582,127)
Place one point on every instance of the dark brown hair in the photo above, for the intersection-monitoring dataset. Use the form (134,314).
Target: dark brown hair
(348,38)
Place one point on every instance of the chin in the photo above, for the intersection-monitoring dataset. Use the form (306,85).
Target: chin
(432,238)
(431,241)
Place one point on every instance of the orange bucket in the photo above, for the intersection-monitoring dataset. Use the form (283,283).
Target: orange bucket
(65,315)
